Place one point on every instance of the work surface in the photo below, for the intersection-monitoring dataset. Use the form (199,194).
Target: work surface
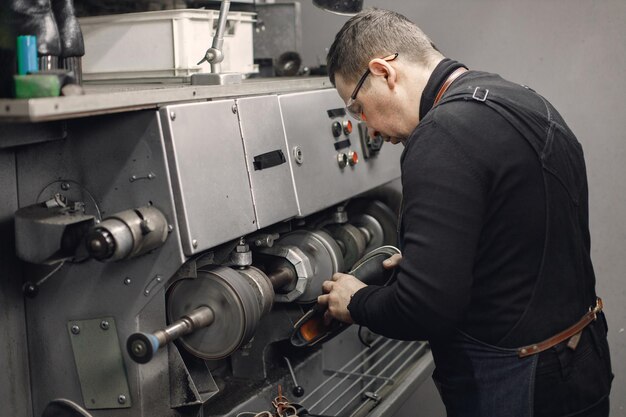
(115,98)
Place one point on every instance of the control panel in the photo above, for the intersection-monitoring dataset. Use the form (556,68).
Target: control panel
(328,146)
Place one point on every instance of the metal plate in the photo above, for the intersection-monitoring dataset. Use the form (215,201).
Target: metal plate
(272,188)
(319,180)
(99,363)
(209,175)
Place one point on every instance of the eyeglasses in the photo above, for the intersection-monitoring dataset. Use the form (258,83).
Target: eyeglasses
(355,109)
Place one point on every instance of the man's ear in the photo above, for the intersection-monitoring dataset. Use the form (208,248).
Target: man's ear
(383,68)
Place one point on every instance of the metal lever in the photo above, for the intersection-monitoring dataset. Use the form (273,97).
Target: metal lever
(298,391)
(215,56)
(142,346)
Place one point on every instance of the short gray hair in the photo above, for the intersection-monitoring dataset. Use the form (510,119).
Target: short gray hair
(376,33)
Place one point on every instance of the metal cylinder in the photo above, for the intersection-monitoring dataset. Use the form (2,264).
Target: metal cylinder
(128,234)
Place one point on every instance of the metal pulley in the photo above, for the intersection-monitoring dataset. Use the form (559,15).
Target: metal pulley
(212,315)
(318,250)
(350,239)
(127,234)
(375,220)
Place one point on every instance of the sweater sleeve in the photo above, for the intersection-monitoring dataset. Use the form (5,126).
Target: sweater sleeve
(443,207)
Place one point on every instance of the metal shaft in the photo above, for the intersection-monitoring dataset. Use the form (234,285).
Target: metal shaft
(218,39)
(282,277)
(200,317)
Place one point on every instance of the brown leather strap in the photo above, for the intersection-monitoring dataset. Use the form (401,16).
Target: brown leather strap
(564,335)
(455,74)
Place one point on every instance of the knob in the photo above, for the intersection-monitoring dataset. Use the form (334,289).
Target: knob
(342,159)
(336,128)
(100,244)
(347,127)
(353,158)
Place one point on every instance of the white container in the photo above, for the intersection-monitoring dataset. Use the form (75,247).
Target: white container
(163,44)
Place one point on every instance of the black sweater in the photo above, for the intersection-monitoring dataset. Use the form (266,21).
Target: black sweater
(472,226)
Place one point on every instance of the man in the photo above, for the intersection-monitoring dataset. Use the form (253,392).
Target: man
(496,271)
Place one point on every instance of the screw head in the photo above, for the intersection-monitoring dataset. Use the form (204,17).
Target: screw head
(65,186)
(194,243)
(127,281)
(121,399)
(172,115)
(75,329)
(234,109)
(104,325)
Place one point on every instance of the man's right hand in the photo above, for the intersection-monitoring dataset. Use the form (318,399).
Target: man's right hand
(392,262)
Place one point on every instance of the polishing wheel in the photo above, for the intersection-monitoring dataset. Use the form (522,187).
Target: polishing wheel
(238,301)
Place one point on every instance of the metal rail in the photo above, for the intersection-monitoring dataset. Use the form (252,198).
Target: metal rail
(342,390)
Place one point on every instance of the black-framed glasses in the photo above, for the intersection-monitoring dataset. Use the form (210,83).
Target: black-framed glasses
(355,109)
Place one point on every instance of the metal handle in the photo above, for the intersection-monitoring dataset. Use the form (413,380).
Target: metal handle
(214,54)
(142,346)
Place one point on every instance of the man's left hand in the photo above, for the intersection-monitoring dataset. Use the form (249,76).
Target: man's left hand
(337,294)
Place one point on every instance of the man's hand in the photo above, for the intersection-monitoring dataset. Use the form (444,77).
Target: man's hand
(337,296)
(392,262)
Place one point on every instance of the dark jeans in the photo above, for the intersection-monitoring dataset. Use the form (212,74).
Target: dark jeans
(575,383)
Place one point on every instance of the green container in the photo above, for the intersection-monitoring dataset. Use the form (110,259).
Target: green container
(36,85)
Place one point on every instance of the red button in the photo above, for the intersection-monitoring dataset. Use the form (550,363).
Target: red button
(347,127)
(353,158)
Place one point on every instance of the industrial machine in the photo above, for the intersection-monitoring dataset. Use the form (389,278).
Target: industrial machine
(163,244)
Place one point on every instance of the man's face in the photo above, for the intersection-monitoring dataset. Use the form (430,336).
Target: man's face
(379,106)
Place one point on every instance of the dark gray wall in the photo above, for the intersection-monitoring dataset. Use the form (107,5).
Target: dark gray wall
(14,380)
(574,53)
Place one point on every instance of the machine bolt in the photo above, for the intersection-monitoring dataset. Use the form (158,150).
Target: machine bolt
(170,228)
(194,243)
(172,115)
(104,325)
(121,399)
(151,176)
(159,278)
(234,109)
(75,329)
(65,186)
(127,281)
